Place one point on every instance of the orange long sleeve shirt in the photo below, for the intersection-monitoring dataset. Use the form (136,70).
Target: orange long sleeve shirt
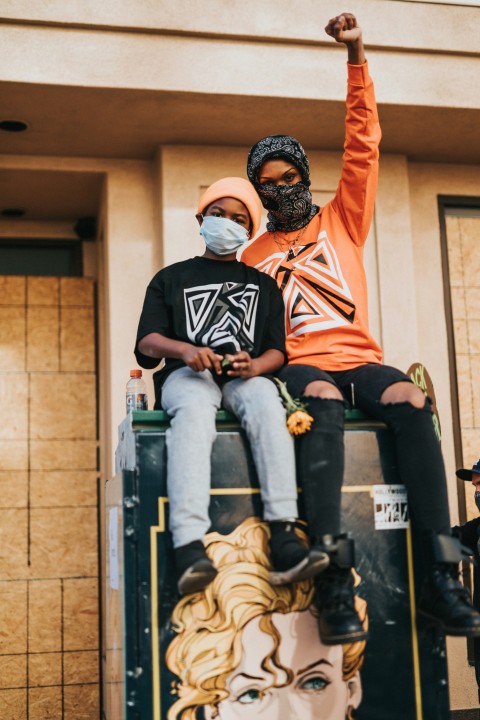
(324,285)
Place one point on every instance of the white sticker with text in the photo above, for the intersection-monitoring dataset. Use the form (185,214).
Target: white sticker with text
(390,506)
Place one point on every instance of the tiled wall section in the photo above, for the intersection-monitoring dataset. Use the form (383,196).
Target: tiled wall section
(49,639)
(463,237)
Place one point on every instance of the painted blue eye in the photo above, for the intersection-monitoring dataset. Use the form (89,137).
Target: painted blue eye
(314,684)
(249,697)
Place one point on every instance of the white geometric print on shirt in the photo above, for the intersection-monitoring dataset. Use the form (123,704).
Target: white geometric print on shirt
(315,293)
(222,313)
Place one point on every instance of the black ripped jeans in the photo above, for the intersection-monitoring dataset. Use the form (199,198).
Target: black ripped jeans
(320,463)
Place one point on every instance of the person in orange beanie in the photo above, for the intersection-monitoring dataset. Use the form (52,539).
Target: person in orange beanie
(219,325)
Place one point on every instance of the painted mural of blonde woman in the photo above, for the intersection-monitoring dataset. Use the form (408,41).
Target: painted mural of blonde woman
(246,649)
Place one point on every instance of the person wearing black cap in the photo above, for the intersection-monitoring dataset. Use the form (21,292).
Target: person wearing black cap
(316,256)
(469,532)
(473,474)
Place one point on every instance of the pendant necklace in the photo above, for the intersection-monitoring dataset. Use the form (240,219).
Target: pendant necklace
(283,244)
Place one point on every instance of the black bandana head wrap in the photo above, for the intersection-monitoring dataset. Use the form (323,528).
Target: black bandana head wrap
(289,207)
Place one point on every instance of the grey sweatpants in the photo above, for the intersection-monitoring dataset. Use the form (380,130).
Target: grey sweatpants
(192,400)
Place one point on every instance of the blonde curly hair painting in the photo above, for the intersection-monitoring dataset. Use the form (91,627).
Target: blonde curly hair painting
(240,614)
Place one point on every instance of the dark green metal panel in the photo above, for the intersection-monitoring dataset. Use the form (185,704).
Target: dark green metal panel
(393,686)
(158,418)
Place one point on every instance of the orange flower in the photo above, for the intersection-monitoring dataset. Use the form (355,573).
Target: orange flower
(298,419)
(299,422)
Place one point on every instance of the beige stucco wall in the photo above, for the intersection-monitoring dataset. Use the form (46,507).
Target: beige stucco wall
(424,58)
(388,22)
(140,61)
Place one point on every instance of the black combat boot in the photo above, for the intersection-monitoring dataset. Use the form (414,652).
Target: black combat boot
(443,599)
(338,621)
(194,568)
(292,561)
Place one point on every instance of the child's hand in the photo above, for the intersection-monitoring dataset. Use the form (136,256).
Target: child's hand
(202,358)
(344,28)
(242,365)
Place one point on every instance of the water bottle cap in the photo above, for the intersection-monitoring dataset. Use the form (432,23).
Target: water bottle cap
(136,373)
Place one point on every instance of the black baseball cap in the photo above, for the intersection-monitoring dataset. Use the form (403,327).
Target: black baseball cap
(465,474)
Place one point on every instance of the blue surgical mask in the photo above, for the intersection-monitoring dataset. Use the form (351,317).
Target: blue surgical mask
(222,236)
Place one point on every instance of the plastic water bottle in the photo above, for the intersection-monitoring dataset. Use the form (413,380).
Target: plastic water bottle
(136,392)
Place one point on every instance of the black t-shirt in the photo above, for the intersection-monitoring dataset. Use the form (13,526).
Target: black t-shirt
(225,305)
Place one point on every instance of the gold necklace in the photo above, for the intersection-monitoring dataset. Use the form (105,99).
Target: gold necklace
(290,245)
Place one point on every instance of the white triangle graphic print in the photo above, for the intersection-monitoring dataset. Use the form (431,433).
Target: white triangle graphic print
(270,265)
(198,305)
(247,299)
(222,315)
(322,264)
(306,311)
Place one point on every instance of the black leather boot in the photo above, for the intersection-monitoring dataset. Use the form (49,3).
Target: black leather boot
(338,621)
(443,599)
(194,568)
(292,561)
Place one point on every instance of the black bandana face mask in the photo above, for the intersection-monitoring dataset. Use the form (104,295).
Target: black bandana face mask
(289,207)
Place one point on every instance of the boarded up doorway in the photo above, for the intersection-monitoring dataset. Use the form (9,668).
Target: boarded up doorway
(49,644)
(461,223)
